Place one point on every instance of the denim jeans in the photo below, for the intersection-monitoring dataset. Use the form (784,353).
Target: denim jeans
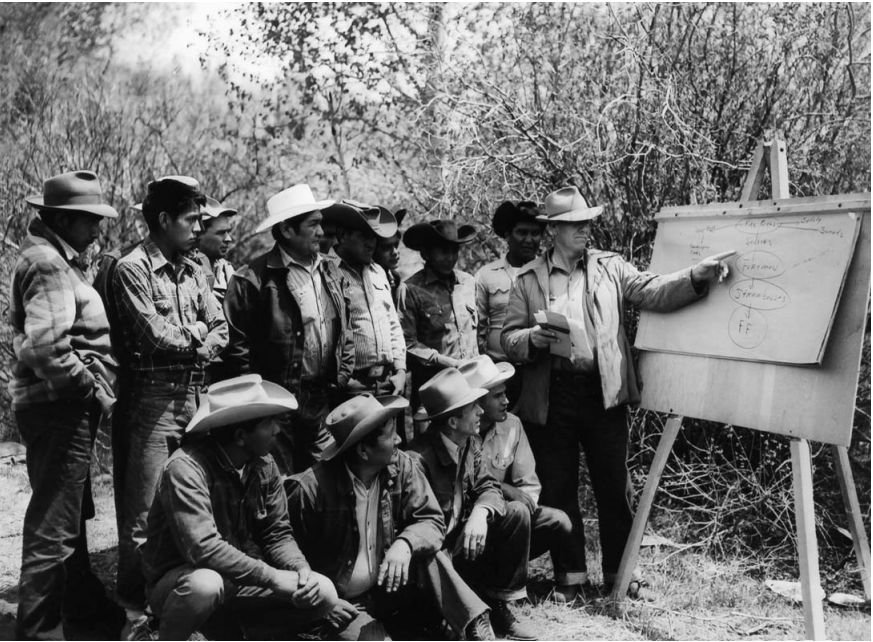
(302,434)
(59,437)
(158,411)
(577,419)
(550,528)
(500,572)
(186,597)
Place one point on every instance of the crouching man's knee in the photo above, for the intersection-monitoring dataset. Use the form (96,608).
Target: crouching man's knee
(327,597)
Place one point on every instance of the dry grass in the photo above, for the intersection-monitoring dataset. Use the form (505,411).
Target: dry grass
(698,598)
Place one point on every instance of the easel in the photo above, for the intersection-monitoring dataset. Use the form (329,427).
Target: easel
(770,154)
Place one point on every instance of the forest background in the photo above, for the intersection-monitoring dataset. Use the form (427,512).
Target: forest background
(447,110)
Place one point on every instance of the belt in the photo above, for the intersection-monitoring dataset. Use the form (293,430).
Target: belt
(188,377)
(377,371)
(565,376)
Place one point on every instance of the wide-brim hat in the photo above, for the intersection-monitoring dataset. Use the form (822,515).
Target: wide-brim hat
(359,216)
(354,419)
(440,233)
(446,391)
(240,399)
(567,205)
(214,209)
(482,372)
(508,214)
(290,203)
(77,191)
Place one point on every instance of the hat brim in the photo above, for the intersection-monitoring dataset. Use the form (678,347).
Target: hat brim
(474,395)
(392,405)
(507,370)
(292,212)
(343,215)
(573,216)
(100,209)
(423,235)
(229,211)
(278,402)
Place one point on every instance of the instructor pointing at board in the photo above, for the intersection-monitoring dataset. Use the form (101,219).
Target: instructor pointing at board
(580,400)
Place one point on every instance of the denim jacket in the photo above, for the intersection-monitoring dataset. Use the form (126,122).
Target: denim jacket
(322,508)
(266,328)
(206,516)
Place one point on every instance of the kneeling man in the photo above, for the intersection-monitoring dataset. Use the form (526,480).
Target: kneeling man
(218,531)
(366,517)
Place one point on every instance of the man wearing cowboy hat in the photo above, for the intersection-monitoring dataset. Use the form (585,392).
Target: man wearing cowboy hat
(288,317)
(380,351)
(437,304)
(488,538)
(581,401)
(507,455)
(337,509)
(387,252)
(218,530)
(61,385)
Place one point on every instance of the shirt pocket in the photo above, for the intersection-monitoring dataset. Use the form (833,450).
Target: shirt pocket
(500,463)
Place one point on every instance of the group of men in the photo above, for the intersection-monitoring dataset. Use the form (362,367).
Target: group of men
(256,413)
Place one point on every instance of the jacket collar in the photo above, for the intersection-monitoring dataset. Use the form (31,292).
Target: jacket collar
(227,466)
(432,277)
(39,230)
(442,452)
(157,259)
(339,469)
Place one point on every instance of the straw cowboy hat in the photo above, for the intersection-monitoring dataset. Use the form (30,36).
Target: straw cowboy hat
(77,191)
(482,372)
(446,391)
(214,209)
(358,216)
(185,180)
(294,201)
(356,418)
(508,214)
(240,399)
(437,233)
(567,205)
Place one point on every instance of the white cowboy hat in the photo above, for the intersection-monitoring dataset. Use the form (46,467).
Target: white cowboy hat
(354,419)
(446,391)
(214,209)
(482,372)
(567,205)
(240,399)
(294,201)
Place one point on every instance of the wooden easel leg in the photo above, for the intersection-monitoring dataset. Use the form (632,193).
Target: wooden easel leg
(632,548)
(853,512)
(810,582)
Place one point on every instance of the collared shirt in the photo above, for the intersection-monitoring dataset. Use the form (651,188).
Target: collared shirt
(567,293)
(373,317)
(366,569)
(438,316)
(507,454)
(316,310)
(458,499)
(494,282)
(221,271)
(159,305)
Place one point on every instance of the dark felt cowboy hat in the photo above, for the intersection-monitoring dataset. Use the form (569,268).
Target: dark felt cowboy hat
(77,191)
(358,216)
(185,180)
(240,399)
(508,214)
(354,419)
(437,233)
(567,205)
(446,391)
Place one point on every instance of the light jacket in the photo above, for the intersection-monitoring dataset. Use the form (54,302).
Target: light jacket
(610,282)
(266,328)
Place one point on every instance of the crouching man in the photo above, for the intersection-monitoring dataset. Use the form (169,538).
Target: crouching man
(488,538)
(366,517)
(218,531)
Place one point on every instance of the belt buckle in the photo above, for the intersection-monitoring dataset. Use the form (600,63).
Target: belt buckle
(376,371)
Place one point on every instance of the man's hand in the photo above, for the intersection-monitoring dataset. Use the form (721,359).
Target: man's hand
(342,615)
(513,494)
(542,338)
(398,380)
(472,539)
(285,583)
(711,268)
(394,571)
(307,589)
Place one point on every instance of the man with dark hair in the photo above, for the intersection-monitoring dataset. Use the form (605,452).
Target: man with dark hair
(218,530)
(380,350)
(173,328)
(288,317)
(380,568)
(61,386)
(215,242)
(488,538)
(387,253)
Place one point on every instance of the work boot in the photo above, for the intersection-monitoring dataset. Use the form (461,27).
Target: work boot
(479,629)
(505,624)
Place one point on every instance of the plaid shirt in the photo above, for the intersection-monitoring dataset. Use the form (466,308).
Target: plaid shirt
(61,333)
(159,304)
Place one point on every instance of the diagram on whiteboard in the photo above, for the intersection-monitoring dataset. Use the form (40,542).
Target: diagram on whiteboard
(779,301)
